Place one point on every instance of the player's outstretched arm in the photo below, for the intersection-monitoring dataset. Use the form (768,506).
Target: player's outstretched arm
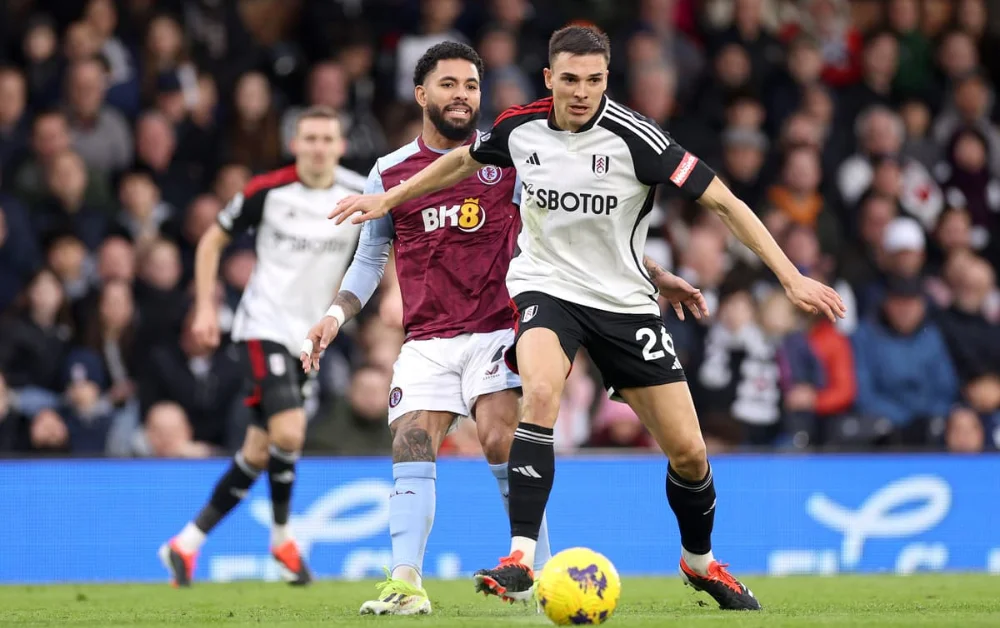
(205,325)
(443,172)
(345,307)
(359,284)
(807,294)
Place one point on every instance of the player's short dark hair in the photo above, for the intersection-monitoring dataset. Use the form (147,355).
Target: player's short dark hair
(443,52)
(317,112)
(579,40)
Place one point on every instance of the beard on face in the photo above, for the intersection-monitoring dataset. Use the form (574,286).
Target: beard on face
(451,130)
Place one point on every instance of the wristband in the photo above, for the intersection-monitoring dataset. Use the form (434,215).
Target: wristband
(337,312)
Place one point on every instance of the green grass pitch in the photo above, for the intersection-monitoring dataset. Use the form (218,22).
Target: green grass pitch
(919,600)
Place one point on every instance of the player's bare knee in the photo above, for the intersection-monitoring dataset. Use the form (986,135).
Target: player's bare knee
(255,453)
(288,438)
(413,439)
(496,440)
(287,430)
(690,460)
(541,404)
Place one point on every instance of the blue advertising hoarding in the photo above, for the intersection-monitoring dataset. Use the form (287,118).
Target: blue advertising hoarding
(103,520)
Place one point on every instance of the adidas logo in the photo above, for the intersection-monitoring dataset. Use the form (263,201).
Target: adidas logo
(528,471)
(533,160)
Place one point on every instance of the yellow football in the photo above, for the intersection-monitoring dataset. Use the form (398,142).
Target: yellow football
(578,586)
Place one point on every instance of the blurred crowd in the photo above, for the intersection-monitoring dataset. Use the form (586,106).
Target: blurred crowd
(863,132)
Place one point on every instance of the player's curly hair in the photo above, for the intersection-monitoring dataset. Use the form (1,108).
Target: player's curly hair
(443,52)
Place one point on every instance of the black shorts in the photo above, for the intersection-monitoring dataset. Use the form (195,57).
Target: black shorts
(275,379)
(630,350)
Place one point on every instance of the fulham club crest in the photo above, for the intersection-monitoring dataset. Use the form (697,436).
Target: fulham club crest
(490,175)
(600,164)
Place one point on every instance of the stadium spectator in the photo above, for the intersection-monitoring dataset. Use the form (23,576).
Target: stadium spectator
(123,79)
(67,210)
(168,434)
(973,18)
(327,86)
(165,56)
(743,156)
(156,149)
(42,66)
(973,340)
(915,74)
(902,253)
(207,385)
(879,66)
(737,381)
(36,336)
(437,25)
(111,334)
(49,139)
(499,50)
(616,426)
(14,436)
(655,27)
(965,433)
(356,425)
(254,137)
(14,118)
(160,297)
(905,378)
(230,181)
(829,22)
(48,433)
(99,133)
(786,94)
(19,250)
(880,134)
(66,255)
(200,215)
(973,187)
(799,198)
(970,109)
(144,215)
(919,144)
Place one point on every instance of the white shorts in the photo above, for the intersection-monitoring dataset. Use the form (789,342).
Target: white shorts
(450,374)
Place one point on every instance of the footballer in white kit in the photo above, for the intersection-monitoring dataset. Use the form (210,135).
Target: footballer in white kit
(590,168)
(301,258)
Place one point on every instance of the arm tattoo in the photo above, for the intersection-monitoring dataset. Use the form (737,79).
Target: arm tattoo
(349,302)
(656,272)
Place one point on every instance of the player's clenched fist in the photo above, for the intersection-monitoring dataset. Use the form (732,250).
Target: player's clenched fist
(319,338)
(205,327)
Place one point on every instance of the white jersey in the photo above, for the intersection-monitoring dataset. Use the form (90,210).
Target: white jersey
(301,255)
(586,201)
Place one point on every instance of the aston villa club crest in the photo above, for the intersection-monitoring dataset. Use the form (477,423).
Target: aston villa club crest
(600,164)
(490,175)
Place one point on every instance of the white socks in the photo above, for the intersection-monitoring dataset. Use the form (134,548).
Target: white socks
(525,545)
(279,534)
(698,562)
(190,539)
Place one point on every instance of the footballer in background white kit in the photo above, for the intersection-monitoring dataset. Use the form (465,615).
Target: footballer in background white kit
(301,259)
